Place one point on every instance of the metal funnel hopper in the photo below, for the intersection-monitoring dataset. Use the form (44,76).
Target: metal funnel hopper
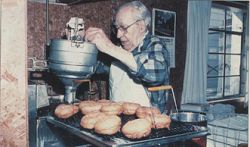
(72,62)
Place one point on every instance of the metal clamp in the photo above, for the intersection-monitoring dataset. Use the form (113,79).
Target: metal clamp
(38,65)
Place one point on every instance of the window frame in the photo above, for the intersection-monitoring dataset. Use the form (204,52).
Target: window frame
(225,33)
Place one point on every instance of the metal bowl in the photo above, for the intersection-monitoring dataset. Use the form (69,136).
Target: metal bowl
(190,117)
(72,60)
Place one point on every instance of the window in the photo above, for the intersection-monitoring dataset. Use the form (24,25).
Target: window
(224,52)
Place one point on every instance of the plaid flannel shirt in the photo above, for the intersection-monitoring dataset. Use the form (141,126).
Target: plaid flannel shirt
(152,60)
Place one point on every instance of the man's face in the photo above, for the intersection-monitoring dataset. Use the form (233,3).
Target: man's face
(130,30)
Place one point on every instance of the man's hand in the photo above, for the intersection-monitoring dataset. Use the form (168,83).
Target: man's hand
(99,38)
(103,43)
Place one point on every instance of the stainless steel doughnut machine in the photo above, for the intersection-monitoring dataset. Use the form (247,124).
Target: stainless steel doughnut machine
(72,60)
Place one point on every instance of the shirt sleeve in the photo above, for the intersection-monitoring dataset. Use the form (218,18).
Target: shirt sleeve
(152,65)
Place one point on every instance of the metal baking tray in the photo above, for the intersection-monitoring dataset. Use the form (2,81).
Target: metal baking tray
(177,132)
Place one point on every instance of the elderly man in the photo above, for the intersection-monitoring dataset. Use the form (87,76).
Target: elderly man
(141,61)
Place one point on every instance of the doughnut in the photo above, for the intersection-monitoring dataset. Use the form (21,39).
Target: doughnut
(143,111)
(112,109)
(130,108)
(104,102)
(66,110)
(159,121)
(109,125)
(89,107)
(136,129)
(88,121)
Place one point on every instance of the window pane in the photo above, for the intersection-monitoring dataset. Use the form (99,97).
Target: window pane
(224,51)
(217,18)
(234,19)
(215,65)
(232,66)
(215,42)
(214,87)
(233,43)
(232,86)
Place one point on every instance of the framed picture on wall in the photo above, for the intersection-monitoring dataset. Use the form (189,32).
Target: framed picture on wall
(163,23)
(163,26)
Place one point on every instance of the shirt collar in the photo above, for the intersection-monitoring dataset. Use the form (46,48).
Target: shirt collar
(140,46)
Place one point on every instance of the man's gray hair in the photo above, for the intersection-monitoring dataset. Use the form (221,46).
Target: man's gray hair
(144,13)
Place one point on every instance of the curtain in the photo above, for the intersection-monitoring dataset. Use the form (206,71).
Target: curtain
(195,76)
(245,63)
